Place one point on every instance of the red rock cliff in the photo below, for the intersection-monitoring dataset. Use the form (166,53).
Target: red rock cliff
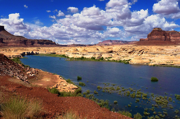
(160,37)
(7,39)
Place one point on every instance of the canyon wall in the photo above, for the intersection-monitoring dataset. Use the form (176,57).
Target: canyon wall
(7,39)
(160,37)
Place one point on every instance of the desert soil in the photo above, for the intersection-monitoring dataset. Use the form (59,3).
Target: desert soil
(54,105)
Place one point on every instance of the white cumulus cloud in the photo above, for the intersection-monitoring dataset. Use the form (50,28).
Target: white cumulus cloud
(60,13)
(166,7)
(73,9)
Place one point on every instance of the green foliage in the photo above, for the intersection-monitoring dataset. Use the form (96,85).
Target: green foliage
(69,115)
(138,116)
(82,84)
(53,90)
(176,111)
(115,102)
(79,78)
(17,60)
(77,92)
(137,100)
(154,79)
(95,92)
(99,87)
(20,108)
(177,96)
(126,113)
(54,55)
(146,113)
(69,81)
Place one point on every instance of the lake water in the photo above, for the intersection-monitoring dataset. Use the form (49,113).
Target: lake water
(124,75)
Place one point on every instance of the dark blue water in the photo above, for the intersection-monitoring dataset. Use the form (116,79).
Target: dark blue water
(96,73)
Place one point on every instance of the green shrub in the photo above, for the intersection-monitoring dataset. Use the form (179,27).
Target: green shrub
(69,81)
(138,116)
(126,113)
(177,96)
(95,92)
(99,87)
(154,79)
(69,115)
(176,111)
(146,113)
(87,91)
(79,78)
(115,102)
(53,90)
(20,108)
(137,100)
(77,92)
(82,84)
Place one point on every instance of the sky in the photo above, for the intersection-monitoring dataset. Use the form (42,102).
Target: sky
(88,21)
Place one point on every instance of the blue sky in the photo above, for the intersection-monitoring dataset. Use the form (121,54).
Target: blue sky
(88,21)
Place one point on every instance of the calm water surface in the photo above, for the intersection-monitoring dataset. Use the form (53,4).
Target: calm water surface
(135,76)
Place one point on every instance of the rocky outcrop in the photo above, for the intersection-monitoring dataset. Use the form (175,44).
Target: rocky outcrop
(10,68)
(160,37)
(63,86)
(7,39)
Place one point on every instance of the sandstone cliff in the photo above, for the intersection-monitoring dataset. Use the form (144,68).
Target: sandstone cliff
(7,39)
(160,37)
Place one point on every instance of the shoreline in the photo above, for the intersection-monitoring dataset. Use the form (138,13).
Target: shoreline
(103,60)
(136,55)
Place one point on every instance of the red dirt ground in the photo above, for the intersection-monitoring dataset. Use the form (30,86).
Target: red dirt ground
(54,105)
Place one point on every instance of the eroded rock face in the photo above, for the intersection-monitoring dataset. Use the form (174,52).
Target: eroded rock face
(158,34)
(63,86)
(7,39)
(160,37)
(10,68)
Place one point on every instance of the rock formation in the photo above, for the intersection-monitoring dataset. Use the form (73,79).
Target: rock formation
(116,42)
(7,39)
(10,68)
(160,37)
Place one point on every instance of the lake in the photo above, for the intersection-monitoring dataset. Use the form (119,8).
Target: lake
(137,77)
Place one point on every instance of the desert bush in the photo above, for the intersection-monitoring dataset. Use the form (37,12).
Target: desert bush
(69,81)
(82,84)
(79,78)
(77,92)
(99,87)
(20,108)
(154,79)
(53,90)
(115,102)
(146,113)
(177,96)
(137,116)
(126,113)
(69,115)
(95,92)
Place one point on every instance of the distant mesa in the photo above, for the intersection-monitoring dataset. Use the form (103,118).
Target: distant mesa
(7,39)
(116,42)
(160,37)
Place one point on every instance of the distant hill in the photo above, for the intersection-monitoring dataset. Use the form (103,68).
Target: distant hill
(116,42)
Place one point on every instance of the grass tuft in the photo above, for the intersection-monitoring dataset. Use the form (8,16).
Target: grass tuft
(69,115)
(20,108)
